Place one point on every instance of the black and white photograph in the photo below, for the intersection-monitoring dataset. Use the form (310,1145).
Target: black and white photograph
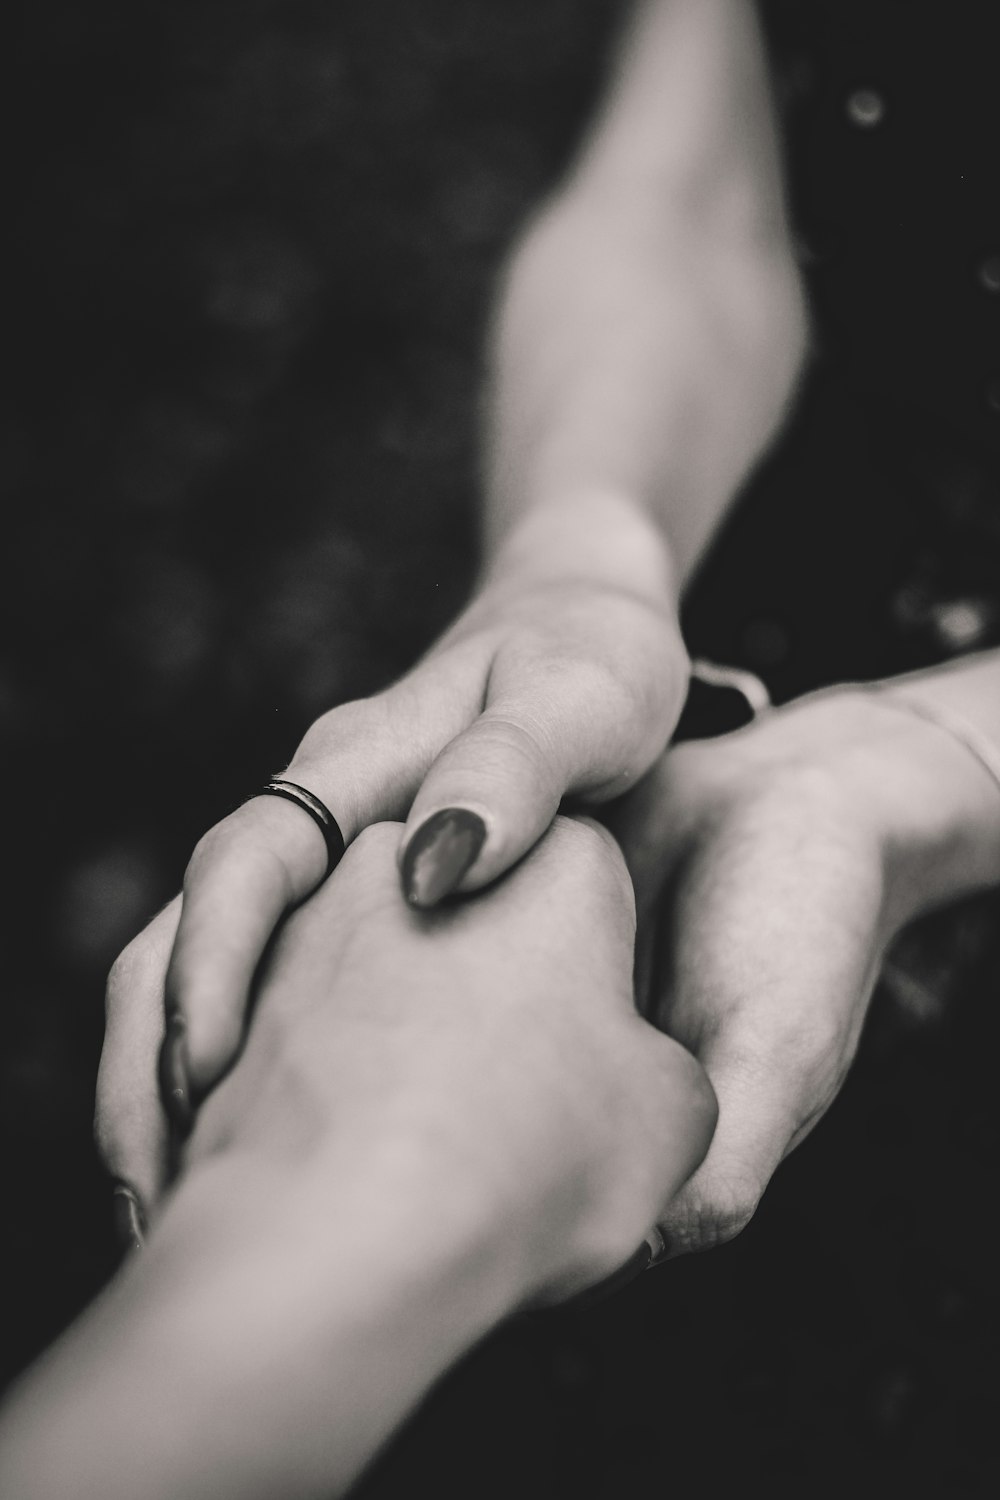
(500,707)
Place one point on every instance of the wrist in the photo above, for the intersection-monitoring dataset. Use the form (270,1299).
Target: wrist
(372,1227)
(910,800)
(947,843)
(931,809)
(592,535)
(277,1327)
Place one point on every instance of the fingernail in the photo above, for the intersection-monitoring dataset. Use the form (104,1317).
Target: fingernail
(174,1087)
(658,1246)
(130,1221)
(635,1265)
(440,853)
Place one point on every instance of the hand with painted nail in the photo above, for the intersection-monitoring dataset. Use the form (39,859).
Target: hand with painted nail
(438,1119)
(648,333)
(773,868)
(543,689)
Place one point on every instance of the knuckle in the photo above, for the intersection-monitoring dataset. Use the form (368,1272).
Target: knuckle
(618,692)
(439,696)
(358,722)
(376,842)
(505,754)
(585,683)
(618,719)
(274,876)
(593,855)
(701,1100)
(366,758)
(226,853)
(504,734)
(205,852)
(679,1101)
(331,725)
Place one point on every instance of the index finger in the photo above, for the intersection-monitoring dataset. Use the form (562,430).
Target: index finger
(243,876)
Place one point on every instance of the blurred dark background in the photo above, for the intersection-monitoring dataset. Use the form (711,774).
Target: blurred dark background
(253,248)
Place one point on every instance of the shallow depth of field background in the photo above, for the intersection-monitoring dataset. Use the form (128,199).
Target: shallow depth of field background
(253,250)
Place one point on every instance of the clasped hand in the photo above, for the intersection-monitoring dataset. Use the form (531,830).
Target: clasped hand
(541,690)
(772,869)
(484,1065)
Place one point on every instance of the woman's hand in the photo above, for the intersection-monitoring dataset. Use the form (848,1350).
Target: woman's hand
(773,868)
(438,1118)
(491,1049)
(558,679)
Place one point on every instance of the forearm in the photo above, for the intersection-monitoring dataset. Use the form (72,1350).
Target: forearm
(651,325)
(272,1335)
(908,760)
(435,1119)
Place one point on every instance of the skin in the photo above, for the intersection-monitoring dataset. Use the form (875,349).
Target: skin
(774,868)
(566,672)
(436,1121)
(648,333)
(633,387)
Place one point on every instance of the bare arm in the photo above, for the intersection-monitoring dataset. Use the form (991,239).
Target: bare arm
(777,865)
(647,340)
(652,324)
(435,1120)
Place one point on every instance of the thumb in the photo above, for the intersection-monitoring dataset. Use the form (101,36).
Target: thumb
(755,1128)
(560,728)
(773,1085)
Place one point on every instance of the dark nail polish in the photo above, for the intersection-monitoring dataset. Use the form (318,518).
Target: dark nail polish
(130,1221)
(175,1089)
(440,853)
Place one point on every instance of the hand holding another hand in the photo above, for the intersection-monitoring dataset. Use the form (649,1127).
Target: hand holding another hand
(438,1118)
(545,686)
(491,1048)
(773,867)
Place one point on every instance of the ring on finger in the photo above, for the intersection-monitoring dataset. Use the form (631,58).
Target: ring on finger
(317,810)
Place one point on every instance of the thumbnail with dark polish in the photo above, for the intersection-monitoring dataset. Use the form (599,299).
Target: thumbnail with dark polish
(440,853)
